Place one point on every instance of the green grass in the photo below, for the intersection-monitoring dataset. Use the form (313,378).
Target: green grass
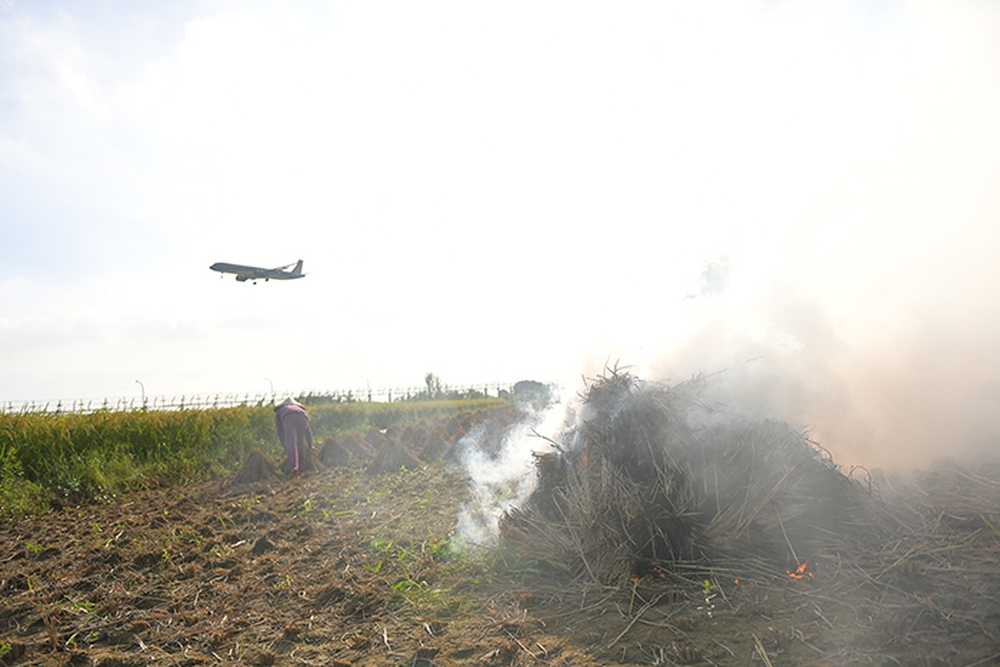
(103,454)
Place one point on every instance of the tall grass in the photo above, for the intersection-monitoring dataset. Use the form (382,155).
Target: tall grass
(83,456)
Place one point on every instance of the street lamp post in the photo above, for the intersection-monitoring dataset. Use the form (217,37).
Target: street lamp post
(272,388)
(142,389)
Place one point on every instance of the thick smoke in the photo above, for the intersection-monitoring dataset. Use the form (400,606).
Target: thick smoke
(893,383)
(879,382)
(857,293)
(869,314)
(504,476)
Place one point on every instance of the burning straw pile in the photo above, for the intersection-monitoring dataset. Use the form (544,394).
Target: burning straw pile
(652,478)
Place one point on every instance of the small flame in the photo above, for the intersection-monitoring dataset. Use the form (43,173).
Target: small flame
(800,572)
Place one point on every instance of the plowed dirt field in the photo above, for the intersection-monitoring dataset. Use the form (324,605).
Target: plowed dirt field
(342,568)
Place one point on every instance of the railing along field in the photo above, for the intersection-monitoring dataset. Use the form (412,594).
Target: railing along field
(259,399)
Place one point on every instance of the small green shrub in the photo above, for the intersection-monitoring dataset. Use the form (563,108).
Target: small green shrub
(18,497)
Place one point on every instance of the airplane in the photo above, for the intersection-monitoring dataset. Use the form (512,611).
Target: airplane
(254,273)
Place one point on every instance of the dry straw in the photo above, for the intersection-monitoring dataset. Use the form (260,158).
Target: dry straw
(653,478)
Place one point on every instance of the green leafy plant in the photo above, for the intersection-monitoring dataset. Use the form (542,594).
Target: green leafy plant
(709,607)
(382,544)
(409,585)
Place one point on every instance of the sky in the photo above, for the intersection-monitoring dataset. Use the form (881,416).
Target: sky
(800,199)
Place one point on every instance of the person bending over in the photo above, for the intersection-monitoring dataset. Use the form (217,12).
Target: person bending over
(295,435)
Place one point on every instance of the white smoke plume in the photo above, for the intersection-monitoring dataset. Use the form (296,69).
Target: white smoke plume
(505,477)
(881,380)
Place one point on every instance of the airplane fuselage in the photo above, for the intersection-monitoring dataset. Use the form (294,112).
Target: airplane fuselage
(255,273)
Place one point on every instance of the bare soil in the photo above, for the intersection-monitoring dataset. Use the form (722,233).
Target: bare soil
(343,568)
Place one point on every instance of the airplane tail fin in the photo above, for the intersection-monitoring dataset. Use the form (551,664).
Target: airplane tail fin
(298,268)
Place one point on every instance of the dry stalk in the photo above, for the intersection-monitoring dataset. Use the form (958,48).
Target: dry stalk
(761,652)
(50,626)
(635,619)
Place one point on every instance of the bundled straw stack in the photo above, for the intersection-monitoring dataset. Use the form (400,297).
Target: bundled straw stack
(652,478)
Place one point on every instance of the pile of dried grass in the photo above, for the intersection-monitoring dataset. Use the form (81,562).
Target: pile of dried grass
(653,478)
(393,456)
(343,454)
(256,468)
(357,447)
(332,454)
(436,447)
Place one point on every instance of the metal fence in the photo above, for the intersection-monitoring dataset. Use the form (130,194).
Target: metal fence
(229,400)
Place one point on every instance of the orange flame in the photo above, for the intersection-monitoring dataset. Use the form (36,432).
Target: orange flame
(800,572)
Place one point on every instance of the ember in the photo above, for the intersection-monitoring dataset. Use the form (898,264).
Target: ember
(800,572)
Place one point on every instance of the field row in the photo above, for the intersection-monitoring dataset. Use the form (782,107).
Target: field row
(79,456)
